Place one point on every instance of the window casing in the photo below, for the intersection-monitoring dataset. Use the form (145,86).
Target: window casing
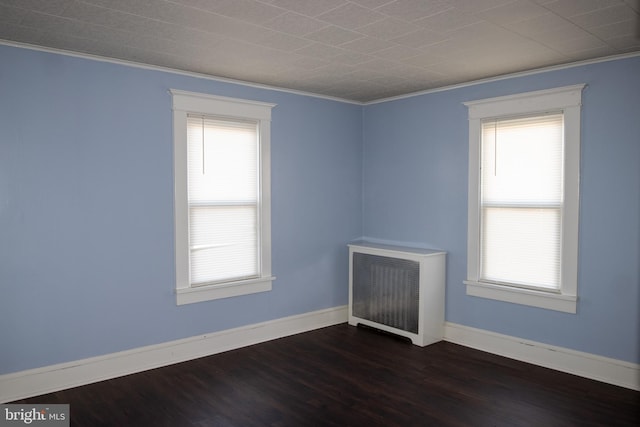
(221,196)
(524,169)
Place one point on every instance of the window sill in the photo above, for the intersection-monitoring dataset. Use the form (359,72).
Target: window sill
(549,301)
(223,290)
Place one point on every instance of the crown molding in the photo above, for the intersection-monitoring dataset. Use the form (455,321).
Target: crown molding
(507,76)
(311,94)
(144,66)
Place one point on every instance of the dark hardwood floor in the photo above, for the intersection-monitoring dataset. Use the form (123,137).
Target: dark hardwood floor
(347,376)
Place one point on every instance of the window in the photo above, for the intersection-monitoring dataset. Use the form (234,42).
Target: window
(221,196)
(524,169)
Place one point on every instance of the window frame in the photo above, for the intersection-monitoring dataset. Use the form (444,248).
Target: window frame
(185,103)
(567,99)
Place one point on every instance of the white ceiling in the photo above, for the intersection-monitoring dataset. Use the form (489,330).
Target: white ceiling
(360,50)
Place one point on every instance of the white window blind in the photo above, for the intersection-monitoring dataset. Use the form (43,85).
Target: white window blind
(521,201)
(223,199)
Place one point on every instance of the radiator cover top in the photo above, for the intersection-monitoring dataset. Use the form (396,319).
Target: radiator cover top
(399,290)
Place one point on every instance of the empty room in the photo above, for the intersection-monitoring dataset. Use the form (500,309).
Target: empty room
(304,212)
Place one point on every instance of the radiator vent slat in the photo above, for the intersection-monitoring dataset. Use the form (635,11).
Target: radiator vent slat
(385,290)
(398,291)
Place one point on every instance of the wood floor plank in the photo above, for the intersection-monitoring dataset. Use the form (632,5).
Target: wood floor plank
(347,376)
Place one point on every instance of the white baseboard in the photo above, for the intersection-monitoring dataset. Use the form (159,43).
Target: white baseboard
(611,371)
(34,382)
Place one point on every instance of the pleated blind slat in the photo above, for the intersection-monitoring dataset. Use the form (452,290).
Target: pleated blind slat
(223,199)
(521,201)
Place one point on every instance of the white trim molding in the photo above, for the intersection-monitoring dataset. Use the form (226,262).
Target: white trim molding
(587,365)
(567,100)
(47,379)
(221,107)
(211,77)
(34,382)
(140,65)
(548,300)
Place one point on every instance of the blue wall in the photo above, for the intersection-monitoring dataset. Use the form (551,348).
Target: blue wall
(86,208)
(86,233)
(415,192)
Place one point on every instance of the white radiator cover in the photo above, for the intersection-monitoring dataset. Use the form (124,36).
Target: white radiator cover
(398,289)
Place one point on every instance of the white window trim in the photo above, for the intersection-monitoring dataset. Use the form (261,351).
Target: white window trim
(568,99)
(190,102)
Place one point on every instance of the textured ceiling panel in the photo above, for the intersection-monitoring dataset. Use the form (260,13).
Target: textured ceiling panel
(360,50)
